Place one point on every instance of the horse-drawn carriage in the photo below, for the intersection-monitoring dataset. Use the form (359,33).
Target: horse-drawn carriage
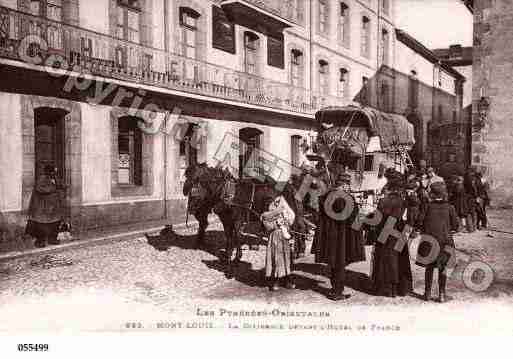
(356,139)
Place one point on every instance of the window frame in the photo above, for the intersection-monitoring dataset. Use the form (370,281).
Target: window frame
(135,150)
(298,55)
(344,24)
(323,17)
(343,83)
(324,79)
(250,38)
(365,36)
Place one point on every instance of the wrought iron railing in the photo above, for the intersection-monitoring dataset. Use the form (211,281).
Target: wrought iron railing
(102,55)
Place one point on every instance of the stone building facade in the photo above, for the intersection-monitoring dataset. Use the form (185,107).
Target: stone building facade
(86,86)
(492,111)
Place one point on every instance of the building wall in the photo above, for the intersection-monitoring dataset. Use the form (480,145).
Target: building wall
(492,78)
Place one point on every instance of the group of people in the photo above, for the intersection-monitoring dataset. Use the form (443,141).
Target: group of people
(420,202)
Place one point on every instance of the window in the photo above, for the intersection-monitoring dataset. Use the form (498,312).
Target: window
(189,29)
(128,23)
(275,51)
(440,113)
(323,17)
(364,92)
(223,31)
(129,151)
(295,150)
(385,97)
(249,152)
(365,37)
(385,6)
(250,52)
(344,27)
(413,89)
(323,77)
(297,10)
(384,46)
(52,10)
(296,68)
(188,152)
(342,83)
(369,163)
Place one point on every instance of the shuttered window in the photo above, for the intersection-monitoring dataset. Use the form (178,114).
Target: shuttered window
(344,26)
(223,31)
(275,51)
(365,37)
(343,83)
(323,77)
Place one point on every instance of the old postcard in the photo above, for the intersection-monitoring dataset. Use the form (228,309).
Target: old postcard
(327,166)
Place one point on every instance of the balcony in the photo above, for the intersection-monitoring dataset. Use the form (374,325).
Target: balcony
(101,55)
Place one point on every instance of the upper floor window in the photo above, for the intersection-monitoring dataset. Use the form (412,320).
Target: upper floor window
(323,77)
(296,68)
(440,113)
(129,151)
(364,92)
(385,46)
(223,31)
(52,10)
(385,97)
(129,23)
(344,26)
(323,17)
(189,31)
(275,51)
(250,52)
(413,90)
(385,6)
(365,37)
(343,83)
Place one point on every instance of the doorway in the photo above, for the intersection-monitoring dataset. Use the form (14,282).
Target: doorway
(49,141)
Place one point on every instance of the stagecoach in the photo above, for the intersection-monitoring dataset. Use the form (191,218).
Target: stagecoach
(360,139)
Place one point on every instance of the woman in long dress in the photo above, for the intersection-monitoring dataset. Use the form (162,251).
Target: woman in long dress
(278,254)
(391,274)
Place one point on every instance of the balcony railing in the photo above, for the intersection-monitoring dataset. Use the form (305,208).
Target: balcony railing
(98,54)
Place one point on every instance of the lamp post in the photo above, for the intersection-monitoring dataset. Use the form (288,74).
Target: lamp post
(483,106)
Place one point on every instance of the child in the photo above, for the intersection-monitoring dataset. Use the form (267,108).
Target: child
(438,221)
(278,254)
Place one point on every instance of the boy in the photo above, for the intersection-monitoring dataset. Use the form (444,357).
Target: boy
(438,221)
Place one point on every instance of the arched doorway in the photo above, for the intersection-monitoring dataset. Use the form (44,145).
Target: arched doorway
(249,157)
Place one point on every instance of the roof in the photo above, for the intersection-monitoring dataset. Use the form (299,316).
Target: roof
(429,55)
(455,55)
(392,129)
(469,4)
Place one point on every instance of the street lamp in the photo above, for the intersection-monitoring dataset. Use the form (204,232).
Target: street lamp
(483,107)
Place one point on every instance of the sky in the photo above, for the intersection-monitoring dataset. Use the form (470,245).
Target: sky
(435,23)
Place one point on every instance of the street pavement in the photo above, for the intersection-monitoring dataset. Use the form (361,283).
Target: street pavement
(127,284)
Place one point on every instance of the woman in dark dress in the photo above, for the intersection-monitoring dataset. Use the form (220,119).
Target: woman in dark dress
(461,202)
(391,274)
(45,210)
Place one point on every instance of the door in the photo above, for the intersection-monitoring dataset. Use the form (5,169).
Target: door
(49,141)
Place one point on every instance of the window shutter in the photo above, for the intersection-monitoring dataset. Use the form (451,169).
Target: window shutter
(223,31)
(275,51)
(138,163)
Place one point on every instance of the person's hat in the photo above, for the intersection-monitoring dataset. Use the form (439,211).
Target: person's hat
(438,189)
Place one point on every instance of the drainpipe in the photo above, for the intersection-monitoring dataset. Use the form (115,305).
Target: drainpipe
(166,25)
(311,51)
(166,135)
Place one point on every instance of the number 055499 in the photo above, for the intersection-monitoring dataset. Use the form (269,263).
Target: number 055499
(33,347)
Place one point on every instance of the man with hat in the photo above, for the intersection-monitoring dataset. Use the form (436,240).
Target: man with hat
(336,243)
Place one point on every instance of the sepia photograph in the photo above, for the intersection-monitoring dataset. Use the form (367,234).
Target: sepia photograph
(254,166)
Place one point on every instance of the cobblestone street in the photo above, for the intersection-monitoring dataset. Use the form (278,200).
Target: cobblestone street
(109,285)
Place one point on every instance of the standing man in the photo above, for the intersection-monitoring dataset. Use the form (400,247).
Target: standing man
(336,243)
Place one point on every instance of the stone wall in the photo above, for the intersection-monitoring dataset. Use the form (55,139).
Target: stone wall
(493,76)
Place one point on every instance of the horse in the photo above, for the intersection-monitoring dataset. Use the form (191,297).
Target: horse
(236,202)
